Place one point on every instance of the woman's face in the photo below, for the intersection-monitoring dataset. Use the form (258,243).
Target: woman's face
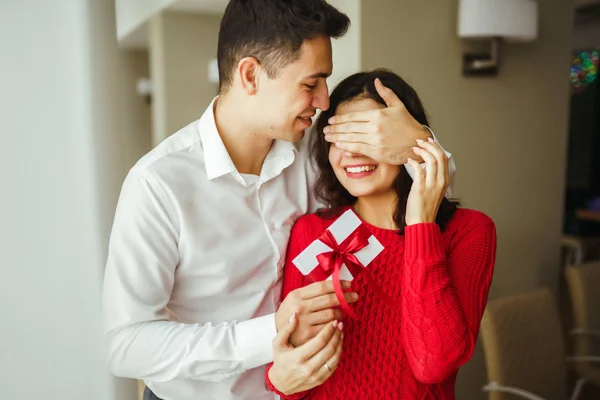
(361,175)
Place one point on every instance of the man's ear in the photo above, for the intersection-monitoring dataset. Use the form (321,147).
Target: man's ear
(248,69)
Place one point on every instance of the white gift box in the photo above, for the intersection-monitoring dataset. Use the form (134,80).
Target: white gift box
(348,222)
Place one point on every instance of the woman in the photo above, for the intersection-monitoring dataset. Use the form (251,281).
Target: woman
(436,265)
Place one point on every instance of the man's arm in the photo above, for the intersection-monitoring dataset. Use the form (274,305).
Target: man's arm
(139,279)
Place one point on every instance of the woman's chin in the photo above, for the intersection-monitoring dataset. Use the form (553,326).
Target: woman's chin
(360,192)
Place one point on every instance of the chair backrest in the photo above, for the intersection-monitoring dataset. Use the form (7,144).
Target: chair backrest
(584,290)
(523,345)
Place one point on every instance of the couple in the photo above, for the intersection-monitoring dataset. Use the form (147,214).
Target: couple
(201,300)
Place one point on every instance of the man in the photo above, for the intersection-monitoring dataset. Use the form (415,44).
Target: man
(192,282)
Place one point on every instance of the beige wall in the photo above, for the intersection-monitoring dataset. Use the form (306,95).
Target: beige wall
(181,46)
(346,50)
(586,36)
(507,133)
(135,108)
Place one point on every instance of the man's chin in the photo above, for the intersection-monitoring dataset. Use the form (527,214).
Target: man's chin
(294,136)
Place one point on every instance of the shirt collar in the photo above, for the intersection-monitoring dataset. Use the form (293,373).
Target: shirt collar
(217,159)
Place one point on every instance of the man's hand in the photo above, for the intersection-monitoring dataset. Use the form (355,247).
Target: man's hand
(387,135)
(302,368)
(313,307)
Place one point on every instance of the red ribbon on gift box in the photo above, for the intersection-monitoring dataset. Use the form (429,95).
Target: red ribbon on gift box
(343,253)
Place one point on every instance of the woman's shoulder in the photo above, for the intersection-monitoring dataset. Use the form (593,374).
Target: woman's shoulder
(319,220)
(466,220)
(309,227)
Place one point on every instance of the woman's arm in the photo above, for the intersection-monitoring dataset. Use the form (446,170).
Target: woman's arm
(443,297)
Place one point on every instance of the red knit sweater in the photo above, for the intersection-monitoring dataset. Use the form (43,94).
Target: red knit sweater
(440,282)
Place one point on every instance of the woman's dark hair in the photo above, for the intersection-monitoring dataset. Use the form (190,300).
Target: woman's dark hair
(362,86)
(272,31)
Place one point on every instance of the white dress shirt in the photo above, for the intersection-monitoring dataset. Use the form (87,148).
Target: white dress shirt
(194,265)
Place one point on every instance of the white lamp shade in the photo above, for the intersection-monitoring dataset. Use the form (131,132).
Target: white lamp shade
(514,20)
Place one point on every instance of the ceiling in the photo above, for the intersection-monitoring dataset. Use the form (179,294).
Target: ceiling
(138,39)
(587,13)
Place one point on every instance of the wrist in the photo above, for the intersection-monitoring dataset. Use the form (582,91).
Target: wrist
(421,132)
(427,133)
(419,220)
(276,380)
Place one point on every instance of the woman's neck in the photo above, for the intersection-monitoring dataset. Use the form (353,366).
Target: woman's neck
(378,210)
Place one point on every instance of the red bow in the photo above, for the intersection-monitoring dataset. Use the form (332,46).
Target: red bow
(343,253)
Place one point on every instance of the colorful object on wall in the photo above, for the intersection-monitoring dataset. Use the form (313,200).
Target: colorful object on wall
(584,69)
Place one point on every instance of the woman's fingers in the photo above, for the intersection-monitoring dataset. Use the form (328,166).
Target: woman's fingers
(326,368)
(430,165)
(319,359)
(442,175)
(334,360)
(308,350)
(319,318)
(418,172)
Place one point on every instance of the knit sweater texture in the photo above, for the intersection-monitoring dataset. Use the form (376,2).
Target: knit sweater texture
(439,283)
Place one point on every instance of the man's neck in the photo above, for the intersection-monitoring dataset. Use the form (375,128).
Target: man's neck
(378,210)
(246,147)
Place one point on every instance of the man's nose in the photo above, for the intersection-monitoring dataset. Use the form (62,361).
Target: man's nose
(321,99)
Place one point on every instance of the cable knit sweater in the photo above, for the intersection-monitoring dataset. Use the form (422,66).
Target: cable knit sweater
(440,283)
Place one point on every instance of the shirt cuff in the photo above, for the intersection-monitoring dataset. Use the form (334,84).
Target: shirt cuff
(255,344)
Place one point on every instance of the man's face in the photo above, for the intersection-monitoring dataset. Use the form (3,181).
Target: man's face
(287,103)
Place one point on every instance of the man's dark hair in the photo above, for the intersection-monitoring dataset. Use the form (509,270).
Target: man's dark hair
(272,31)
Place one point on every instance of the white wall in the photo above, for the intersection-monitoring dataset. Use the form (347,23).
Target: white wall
(62,160)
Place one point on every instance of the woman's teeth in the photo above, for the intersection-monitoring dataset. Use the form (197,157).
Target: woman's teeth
(364,168)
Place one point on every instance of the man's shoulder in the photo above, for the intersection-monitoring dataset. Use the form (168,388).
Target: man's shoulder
(176,165)
(171,149)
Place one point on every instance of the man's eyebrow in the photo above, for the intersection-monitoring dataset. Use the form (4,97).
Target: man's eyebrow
(318,75)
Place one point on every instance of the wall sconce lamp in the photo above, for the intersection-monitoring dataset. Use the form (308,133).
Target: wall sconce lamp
(495,21)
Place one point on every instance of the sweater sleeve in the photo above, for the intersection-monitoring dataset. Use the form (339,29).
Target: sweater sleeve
(293,279)
(444,296)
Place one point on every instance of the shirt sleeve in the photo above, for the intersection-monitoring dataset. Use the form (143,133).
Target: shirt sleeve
(292,280)
(140,273)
